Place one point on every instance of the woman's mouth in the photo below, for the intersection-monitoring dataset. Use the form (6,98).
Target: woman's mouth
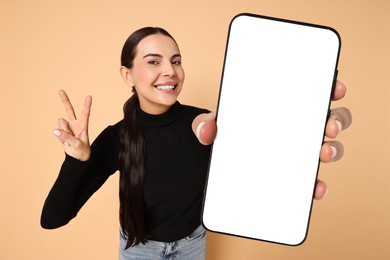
(166,87)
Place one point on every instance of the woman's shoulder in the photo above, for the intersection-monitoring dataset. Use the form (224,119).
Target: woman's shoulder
(116,126)
(193,109)
(112,130)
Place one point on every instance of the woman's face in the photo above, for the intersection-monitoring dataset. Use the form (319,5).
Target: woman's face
(157,73)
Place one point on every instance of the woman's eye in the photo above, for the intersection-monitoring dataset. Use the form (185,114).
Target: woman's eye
(176,62)
(153,62)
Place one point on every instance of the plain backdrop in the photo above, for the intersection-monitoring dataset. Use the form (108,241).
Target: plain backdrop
(47,45)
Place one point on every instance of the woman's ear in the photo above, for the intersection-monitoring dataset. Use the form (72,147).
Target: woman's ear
(126,76)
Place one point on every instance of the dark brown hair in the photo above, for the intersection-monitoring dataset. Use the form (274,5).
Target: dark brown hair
(131,161)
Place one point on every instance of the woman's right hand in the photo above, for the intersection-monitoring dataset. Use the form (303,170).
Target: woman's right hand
(73,133)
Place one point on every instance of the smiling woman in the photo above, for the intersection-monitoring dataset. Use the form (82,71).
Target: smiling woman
(161,161)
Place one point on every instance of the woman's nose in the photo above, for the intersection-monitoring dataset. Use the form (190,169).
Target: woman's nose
(168,69)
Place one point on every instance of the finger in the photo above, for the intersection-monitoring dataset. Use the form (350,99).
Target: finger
(205,128)
(73,146)
(339,91)
(333,127)
(64,125)
(331,151)
(343,116)
(65,138)
(321,190)
(86,110)
(67,105)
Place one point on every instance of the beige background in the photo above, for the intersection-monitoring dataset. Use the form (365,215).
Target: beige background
(48,45)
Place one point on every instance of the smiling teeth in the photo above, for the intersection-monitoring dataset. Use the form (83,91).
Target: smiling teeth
(166,87)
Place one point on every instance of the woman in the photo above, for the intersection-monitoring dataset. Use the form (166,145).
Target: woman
(161,149)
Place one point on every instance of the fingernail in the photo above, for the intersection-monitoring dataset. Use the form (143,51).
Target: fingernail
(334,152)
(199,128)
(65,143)
(57,132)
(339,125)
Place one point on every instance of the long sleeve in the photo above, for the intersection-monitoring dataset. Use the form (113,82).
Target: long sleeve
(78,181)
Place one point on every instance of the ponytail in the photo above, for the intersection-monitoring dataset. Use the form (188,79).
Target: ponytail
(132,172)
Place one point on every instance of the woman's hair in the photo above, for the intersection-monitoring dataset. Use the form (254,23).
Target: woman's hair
(131,160)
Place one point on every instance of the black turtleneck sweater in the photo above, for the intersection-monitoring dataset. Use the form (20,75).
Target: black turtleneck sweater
(176,169)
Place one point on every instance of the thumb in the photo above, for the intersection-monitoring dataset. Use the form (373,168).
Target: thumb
(206,130)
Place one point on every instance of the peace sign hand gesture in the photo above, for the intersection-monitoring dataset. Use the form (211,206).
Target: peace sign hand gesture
(73,133)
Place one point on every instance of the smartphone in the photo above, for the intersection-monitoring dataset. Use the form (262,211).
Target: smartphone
(274,100)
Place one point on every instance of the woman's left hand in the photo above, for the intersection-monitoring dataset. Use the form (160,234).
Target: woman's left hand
(205,128)
(339,120)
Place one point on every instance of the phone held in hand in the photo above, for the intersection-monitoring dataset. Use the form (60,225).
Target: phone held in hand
(276,88)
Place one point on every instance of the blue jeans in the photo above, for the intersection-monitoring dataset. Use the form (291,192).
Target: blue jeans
(192,247)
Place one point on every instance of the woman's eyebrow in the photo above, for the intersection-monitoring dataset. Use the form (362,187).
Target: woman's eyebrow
(160,56)
(152,55)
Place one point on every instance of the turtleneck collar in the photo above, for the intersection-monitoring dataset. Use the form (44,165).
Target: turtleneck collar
(162,119)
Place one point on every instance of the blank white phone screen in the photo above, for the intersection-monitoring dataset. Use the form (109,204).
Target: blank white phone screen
(274,100)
